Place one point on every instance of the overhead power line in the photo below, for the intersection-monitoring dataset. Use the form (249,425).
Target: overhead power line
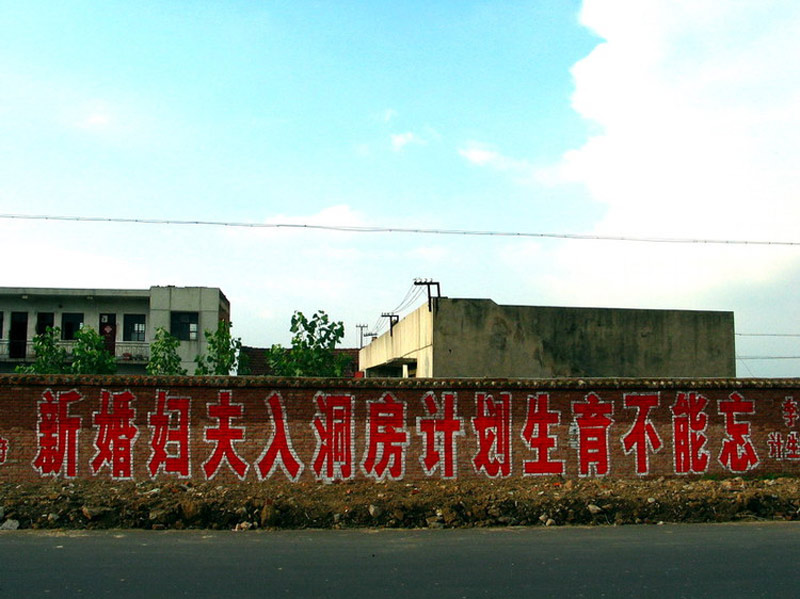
(768,357)
(767,334)
(407,230)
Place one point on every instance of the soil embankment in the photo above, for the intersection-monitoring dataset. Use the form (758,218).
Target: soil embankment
(153,505)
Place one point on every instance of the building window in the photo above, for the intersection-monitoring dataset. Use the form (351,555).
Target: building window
(183,325)
(44,320)
(1,324)
(133,327)
(71,323)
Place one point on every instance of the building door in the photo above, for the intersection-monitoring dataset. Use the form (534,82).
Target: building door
(18,335)
(108,329)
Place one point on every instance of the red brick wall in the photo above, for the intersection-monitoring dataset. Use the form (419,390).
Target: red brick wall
(58,426)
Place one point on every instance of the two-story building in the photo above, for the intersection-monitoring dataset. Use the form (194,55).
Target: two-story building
(126,318)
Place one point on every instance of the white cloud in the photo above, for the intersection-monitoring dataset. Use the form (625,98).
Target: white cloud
(693,99)
(695,103)
(482,154)
(421,138)
(401,140)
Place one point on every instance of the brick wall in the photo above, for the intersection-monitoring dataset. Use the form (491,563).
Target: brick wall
(256,428)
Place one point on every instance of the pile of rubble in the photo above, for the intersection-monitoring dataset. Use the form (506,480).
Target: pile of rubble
(431,504)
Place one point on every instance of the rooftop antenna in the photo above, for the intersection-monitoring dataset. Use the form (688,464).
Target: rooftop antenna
(430,284)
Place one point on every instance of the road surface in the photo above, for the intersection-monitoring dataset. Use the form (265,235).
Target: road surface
(723,560)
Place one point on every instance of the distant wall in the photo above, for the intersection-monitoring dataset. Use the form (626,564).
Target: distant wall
(410,343)
(479,338)
(249,428)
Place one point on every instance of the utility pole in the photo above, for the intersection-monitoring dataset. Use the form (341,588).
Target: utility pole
(393,320)
(361,328)
(430,283)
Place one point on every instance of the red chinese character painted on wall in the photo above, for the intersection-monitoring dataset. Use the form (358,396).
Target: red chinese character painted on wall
(737,453)
(387,438)
(335,430)
(57,434)
(116,434)
(279,450)
(169,442)
(492,425)
(536,434)
(791,449)
(642,434)
(775,446)
(224,436)
(3,450)
(689,423)
(593,418)
(439,430)
(790,412)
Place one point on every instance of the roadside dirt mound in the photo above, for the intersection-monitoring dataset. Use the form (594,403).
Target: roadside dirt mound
(153,505)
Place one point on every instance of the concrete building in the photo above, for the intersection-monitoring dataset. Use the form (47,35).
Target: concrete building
(126,318)
(479,338)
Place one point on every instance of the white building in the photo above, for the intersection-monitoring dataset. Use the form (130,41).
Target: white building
(126,318)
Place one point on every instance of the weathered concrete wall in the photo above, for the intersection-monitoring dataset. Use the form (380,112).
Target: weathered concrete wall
(209,303)
(410,342)
(259,428)
(481,338)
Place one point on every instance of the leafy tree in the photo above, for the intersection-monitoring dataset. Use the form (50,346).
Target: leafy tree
(312,351)
(51,358)
(89,354)
(164,358)
(223,352)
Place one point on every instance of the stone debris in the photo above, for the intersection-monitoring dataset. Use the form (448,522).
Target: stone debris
(10,525)
(424,504)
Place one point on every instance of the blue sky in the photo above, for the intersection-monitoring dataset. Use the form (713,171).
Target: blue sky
(636,118)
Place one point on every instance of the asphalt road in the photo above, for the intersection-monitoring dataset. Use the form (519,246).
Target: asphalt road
(724,560)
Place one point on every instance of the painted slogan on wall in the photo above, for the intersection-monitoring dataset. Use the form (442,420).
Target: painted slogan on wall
(261,434)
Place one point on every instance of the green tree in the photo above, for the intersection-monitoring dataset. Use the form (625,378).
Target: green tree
(50,357)
(89,354)
(164,358)
(312,352)
(223,352)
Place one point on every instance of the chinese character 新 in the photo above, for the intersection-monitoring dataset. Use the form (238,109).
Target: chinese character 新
(57,434)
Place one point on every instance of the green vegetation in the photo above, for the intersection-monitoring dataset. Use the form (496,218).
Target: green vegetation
(223,353)
(51,358)
(164,358)
(312,351)
(89,354)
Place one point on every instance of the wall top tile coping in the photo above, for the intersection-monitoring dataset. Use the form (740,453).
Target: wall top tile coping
(235,382)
